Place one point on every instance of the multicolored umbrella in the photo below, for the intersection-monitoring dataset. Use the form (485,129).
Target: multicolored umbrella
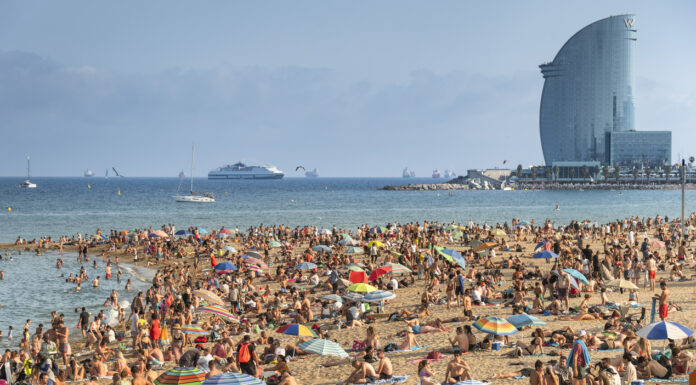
(306,266)
(453,256)
(378,272)
(398,268)
(192,329)
(209,296)
(296,330)
(254,254)
(231,378)
(227,231)
(378,296)
(219,311)
(181,232)
(254,268)
(254,261)
(355,297)
(496,326)
(323,348)
(663,330)
(361,288)
(522,320)
(181,376)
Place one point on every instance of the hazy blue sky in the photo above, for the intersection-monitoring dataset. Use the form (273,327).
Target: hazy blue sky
(354,88)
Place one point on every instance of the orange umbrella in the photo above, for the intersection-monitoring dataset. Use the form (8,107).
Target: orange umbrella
(484,246)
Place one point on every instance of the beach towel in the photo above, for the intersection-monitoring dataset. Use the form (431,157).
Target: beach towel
(411,349)
(393,380)
(585,353)
(658,380)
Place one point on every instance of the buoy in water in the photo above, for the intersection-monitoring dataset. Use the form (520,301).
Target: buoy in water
(89,186)
(9,209)
(118,192)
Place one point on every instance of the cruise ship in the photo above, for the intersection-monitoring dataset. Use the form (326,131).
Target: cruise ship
(436,174)
(450,174)
(240,170)
(408,173)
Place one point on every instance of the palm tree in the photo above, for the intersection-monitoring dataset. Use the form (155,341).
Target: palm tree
(519,171)
(635,174)
(571,173)
(534,173)
(585,172)
(547,173)
(556,170)
(605,172)
(668,170)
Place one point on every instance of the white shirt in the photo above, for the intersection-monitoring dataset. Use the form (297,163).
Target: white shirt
(354,312)
(394,283)
(203,362)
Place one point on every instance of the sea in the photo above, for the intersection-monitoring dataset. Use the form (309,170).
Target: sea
(68,206)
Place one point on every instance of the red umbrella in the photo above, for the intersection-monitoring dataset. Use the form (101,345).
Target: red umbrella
(376,273)
(357,277)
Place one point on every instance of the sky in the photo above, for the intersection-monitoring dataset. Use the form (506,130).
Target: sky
(353,88)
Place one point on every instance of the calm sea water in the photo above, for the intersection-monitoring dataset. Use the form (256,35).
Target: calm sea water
(66,206)
(23,299)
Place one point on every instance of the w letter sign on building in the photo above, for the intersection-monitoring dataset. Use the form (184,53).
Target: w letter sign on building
(628,23)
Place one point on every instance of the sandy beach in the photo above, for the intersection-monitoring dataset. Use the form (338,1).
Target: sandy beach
(484,363)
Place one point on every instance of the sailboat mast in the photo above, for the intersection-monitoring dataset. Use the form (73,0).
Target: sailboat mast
(192,149)
(28,173)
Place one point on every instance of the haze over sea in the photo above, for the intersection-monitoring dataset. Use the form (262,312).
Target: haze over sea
(66,206)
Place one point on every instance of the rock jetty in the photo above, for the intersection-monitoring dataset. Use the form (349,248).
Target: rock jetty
(425,187)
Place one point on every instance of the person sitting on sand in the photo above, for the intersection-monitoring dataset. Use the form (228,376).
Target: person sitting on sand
(457,370)
(425,374)
(460,341)
(384,368)
(371,338)
(537,343)
(409,341)
(582,317)
(363,373)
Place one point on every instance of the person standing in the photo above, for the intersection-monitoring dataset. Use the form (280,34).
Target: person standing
(246,357)
(652,271)
(579,359)
(662,298)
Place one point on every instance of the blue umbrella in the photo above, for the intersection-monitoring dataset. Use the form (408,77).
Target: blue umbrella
(225,266)
(540,244)
(577,275)
(455,256)
(183,232)
(230,249)
(321,248)
(306,266)
(378,296)
(233,379)
(663,330)
(353,296)
(521,320)
(524,223)
(354,250)
(546,254)
(202,231)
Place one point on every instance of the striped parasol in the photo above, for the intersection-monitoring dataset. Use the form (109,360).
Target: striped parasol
(233,379)
(398,268)
(496,326)
(522,320)
(663,330)
(209,296)
(350,296)
(254,268)
(323,348)
(192,329)
(378,296)
(230,249)
(306,266)
(296,330)
(181,376)
(219,311)
(255,261)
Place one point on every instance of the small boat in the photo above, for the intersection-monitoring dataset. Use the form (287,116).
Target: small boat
(27,183)
(195,197)
(88,173)
(450,174)
(436,174)
(312,174)
(408,173)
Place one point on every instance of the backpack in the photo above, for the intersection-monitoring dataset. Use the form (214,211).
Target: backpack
(244,354)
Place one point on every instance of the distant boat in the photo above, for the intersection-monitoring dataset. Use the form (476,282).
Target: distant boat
(107,174)
(88,173)
(182,175)
(27,183)
(450,174)
(195,197)
(408,173)
(240,170)
(312,174)
(436,174)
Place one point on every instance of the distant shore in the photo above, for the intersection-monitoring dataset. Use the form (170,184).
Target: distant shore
(449,186)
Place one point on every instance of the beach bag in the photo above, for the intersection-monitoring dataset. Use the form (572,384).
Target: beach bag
(201,340)
(434,355)
(244,354)
(391,347)
(358,346)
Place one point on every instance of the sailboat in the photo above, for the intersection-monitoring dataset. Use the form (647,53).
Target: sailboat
(195,197)
(27,183)
(106,176)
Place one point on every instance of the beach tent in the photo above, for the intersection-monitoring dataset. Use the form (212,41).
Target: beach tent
(357,277)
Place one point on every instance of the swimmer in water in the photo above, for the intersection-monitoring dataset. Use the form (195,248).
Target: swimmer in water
(95,282)
(557,208)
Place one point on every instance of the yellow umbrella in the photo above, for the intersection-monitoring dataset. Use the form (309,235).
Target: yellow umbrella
(498,233)
(361,288)
(376,243)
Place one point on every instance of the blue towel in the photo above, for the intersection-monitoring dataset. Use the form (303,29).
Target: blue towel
(392,380)
(585,353)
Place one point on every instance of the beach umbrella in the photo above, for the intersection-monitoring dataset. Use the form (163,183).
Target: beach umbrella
(378,230)
(378,296)
(573,282)
(620,283)
(323,248)
(153,235)
(342,282)
(225,267)
(192,329)
(351,296)
(498,233)
(398,268)
(375,243)
(161,234)
(539,245)
(323,347)
(663,330)
(253,253)
(472,382)
(219,311)
(227,231)
(354,267)
(221,235)
(230,249)
(181,376)
(306,266)
(124,232)
(546,254)
(357,277)
(361,288)
(521,320)
(475,244)
(325,232)
(202,231)
(496,326)
(274,244)
(333,297)
(183,232)
(524,223)
(395,253)
(378,272)
(348,242)
(295,329)
(209,296)
(346,236)
(354,250)
(454,256)
(231,378)
(485,246)
(578,275)
(254,261)
(253,267)
(657,244)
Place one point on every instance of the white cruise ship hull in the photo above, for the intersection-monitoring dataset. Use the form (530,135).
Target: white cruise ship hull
(245,176)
